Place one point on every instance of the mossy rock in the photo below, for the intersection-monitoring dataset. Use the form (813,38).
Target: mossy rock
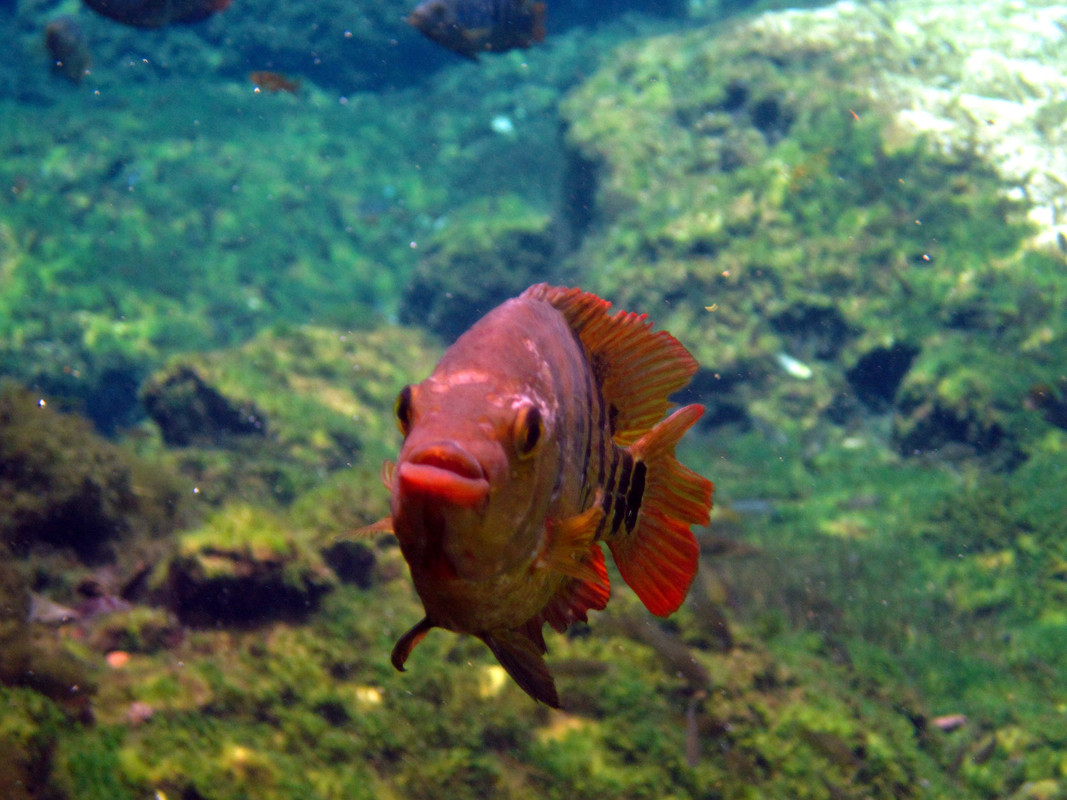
(269,420)
(484,253)
(758,204)
(62,485)
(244,566)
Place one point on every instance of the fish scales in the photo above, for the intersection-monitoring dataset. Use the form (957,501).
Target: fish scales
(539,435)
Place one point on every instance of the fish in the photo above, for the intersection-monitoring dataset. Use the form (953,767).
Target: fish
(539,436)
(470,27)
(274,81)
(67,45)
(156,13)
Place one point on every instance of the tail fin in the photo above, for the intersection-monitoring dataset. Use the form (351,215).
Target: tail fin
(658,559)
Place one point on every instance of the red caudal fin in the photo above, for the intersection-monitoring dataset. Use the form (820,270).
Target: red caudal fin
(658,555)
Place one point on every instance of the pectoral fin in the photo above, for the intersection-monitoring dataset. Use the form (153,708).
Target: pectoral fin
(518,654)
(571,543)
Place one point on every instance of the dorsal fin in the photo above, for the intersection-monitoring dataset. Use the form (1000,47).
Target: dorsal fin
(637,369)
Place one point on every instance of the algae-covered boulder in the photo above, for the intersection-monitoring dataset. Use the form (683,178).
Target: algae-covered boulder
(62,485)
(188,411)
(272,418)
(763,204)
(244,566)
(485,252)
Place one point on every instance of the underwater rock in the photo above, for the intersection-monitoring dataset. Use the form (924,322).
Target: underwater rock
(39,663)
(931,424)
(64,486)
(877,374)
(991,92)
(486,252)
(243,567)
(327,393)
(189,411)
(808,280)
(352,562)
(813,331)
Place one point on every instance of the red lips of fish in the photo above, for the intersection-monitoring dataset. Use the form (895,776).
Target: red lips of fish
(446,472)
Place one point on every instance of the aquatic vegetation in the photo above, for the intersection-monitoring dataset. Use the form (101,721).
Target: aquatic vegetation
(242,567)
(62,485)
(270,419)
(719,195)
(484,253)
(883,366)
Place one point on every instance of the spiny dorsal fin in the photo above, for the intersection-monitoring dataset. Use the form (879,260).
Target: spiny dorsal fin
(636,367)
(658,557)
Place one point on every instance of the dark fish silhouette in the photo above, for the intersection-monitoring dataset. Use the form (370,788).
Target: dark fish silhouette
(68,47)
(470,27)
(156,13)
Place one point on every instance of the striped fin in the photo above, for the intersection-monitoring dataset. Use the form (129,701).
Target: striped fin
(636,368)
(654,548)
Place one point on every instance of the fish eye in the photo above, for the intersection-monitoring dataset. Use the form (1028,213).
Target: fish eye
(402,409)
(529,430)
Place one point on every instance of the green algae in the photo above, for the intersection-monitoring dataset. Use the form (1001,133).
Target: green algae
(244,565)
(891,588)
(322,397)
(740,193)
(62,485)
(486,252)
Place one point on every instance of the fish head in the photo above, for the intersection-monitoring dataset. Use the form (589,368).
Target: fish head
(474,477)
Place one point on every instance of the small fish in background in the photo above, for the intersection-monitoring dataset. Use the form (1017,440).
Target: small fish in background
(539,435)
(68,48)
(470,27)
(156,13)
(274,82)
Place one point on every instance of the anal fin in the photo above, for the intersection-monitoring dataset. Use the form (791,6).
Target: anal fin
(520,656)
(658,557)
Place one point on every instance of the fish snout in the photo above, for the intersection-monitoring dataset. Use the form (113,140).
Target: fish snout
(446,471)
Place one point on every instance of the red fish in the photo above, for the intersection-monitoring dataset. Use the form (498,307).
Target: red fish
(274,81)
(538,436)
(470,27)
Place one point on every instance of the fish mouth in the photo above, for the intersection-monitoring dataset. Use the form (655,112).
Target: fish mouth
(445,471)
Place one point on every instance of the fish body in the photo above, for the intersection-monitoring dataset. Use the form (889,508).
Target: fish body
(67,45)
(538,436)
(274,82)
(470,27)
(156,13)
